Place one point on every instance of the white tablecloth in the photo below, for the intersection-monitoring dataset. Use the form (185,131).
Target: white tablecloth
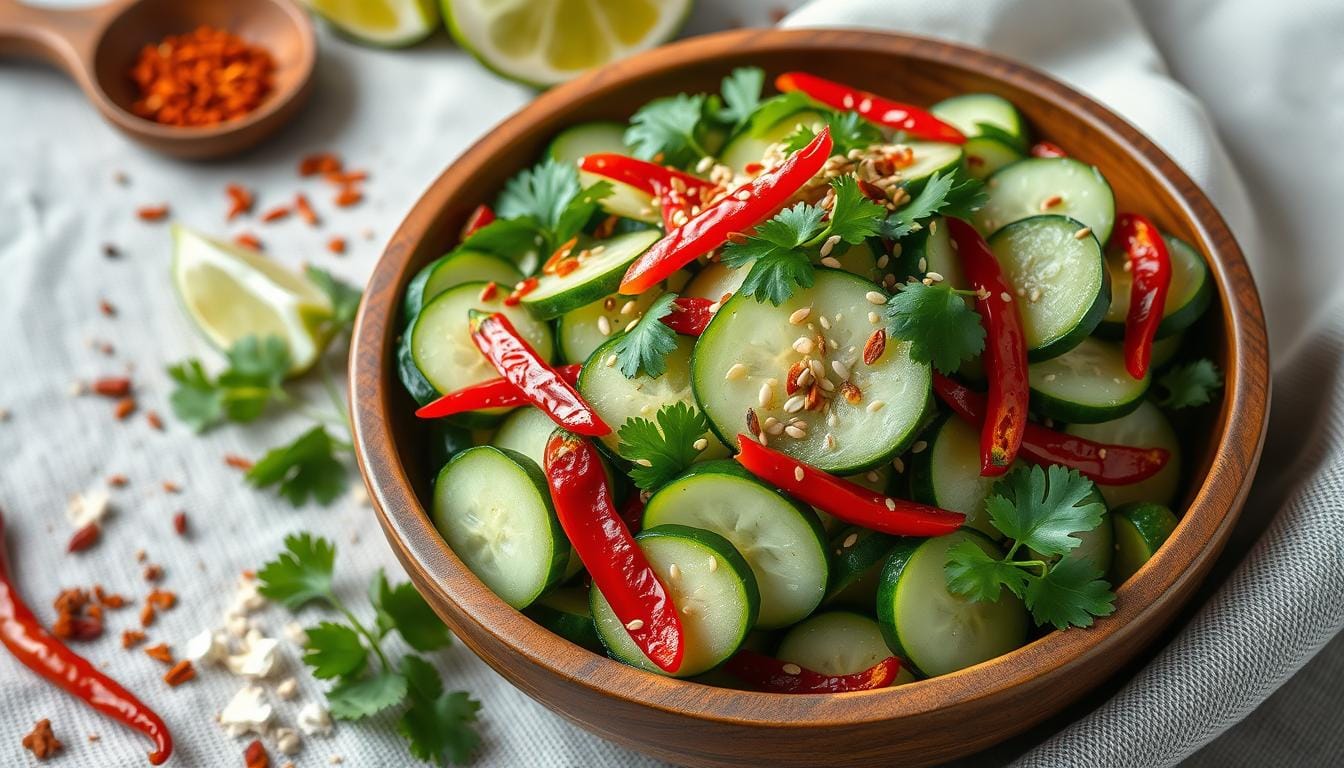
(1269,79)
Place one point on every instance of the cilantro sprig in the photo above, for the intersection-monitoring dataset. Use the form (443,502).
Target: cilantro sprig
(646,346)
(848,131)
(1038,511)
(676,129)
(663,450)
(438,725)
(544,203)
(1189,385)
(251,381)
(941,328)
(949,194)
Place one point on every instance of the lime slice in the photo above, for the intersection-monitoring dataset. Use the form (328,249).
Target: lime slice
(389,23)
(231,293)
(544,42)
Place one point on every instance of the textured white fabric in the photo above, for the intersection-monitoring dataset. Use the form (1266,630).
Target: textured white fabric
(407,114)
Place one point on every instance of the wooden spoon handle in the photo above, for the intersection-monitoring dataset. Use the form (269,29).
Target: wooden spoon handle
(64,37)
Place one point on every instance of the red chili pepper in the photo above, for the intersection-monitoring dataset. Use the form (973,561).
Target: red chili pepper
(672,189)
(709,229)
(632,513)
(848,501)
(774,676)
(38,650)
(479,217)
(617,565)
(917,122)
(541,384)
(689,316)
(1005,352)
(1047,149)
(495,393)
(1103,463)
(1150,270)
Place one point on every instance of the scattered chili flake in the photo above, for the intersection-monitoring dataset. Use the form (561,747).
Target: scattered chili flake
(41,741)
(305,210)
(204,77)
(319,163)
(237,462)
(147,614)
(140,555)
(153,572)
(753,422)
(161,599)
(84,538)
(520,290)
(336,245)
(109,599)
(155,420)
(160,652)
(74,620)
(181,672)
(240,200)
(248,240)
(852,394)
(872,191)
(171,487)
(346,178)
(106,308)
(791,384)
(180,523)
(255,755)
(111,251)
(152,212)
(490,290)
(565,267)
(117,481)
(131,638)
(348,196)
(125,407)
(606,227)
(111,386)
(275,214)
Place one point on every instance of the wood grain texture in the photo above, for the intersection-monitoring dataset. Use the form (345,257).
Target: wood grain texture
(918,724)
(97,45)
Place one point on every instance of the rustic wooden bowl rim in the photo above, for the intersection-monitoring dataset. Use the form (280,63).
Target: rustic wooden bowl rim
(438,572)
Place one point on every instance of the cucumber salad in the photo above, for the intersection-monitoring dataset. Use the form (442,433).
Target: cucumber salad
(806,390)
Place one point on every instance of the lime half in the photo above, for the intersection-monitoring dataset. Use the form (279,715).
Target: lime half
(232,293)
(389,23)
(544,42)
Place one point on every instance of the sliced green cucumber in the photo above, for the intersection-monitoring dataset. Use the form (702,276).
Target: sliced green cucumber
(599,274)
(715,281)
(750,146)
(493,508)
(834,643)
(858,259)
(618,399)
(893,392)
(584,329)
(1095,546)
(1086,385)
(713,590)
(525,431)
(856,566)
(931,157)
(566,612)
(1140,528)
(1188,296)
(1146,427)
(936,631)
(780,538)
(577,141)
(970,113)
(455,269)
(1056,185)
(947,473)
(439,355)
(1164,352)
(985,155)
(1060,280)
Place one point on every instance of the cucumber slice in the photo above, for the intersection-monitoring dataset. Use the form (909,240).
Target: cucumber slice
(439,355)
(1086,385)
(566,612)
(856,566)
(525,431)
(834,643)
(780,538)
(494,509)
(455,269)
(971,112)
(1025,188)
(1146,427)
(930,250)
(750,146)
(445,441)
(715,281)
(1096,546)
(714,592)
(984,156)
(931,157)
(625,200)
(577,141)
(584,329)
(1188,296)
(1140,528)
(936,631)
(1164,351)
(618,399)
(858,260)
(597,275)
(1061,282)
(947,473)
(761,338)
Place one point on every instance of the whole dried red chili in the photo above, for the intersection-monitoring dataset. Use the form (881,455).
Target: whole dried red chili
(518,362)
(917,122)
(617,565)
(770,674)
(1005,350)
(1150,272)
(38,650)
(495,393)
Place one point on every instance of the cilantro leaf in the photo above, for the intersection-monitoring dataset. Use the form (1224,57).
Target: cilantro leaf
(848,131)
(334,650)
(937,322)
(361,697)
(774,276)
(402,608)
(546,206)
(775,251)
(948,194)
(1069,594)
(774,109)
(540,193)
(741,95)
(196,400)
(344,298)
(647,345)
(300,574)
(853,217)
(972,572)
(1040,510)
(240,393)
(668,447)
(437,726)
(1191,384)
(305,467)
(669,127)
(513,239)
(579,210)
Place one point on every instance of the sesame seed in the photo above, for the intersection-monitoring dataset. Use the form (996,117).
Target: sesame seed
(742,194)
(737,371)
(597,250)
(795,432)
(891,504)
(700,444)
(849,540)
(611,360)
(631,325)
(830,442)
(803,345)
(715,307)
(829,245)
(773,428)
(603,325)
(872,317)
(765,395)
(1034,296)
(634,625)
(871,476)
(840,369)
(816,368)
(1101,454)
(923,264)
(800,315)
(876,406)
(1006,296)
(674,571)
(713,566)
(1082,233)
(936,277)
(919,446)
(897,464)
(826,385)
(805,377)
(794,404)
(847,101)
(865,105)
(1127,266)
(704,164)
(791,669)
(644,462)
(825,324)
(875,298)
(933,226)
(830,261)
(628,308)
(1050,377)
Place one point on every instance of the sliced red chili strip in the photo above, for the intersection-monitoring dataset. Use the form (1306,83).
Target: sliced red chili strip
(917,122)
(690,315)
(848,501)
(675,192)
(479,217)
(609,552)
(495,393)
(1150,272)
(766,673)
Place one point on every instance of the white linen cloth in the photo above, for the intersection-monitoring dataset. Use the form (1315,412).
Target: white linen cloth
(1265,79)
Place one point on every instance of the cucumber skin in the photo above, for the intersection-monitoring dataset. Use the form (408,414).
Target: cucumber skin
(1154,523)
(852,564)
(413,300)
(424,393)
(562,135)
(579,296)
(1019,135)
(993,145)
(1073,413)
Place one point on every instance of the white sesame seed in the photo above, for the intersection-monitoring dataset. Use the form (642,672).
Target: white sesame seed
(774,429)
(818,371)
(873,318)
(830,442)
(865,105)
(923,264)
(871,476)
(611,360)
(830,261)
(897,464)
(713,565)
(840,369)
(714,307)
(848,101)
(1006,296)
(628,308)
(1082,233)
(826,385)
(825,324)
(795,432)
(936,277)
(742,194)
(603,325)
(875,298)
(850,540)
(634,625)
(704,164)
(803,345)
(794,404)
(876,406)
(800,315)
(1101,454)
(597,250)
(919,446)
(765,395)
(805,377)
(883,261)
(829,245)
(644,462)
(700,444)
(933,226)
(1050,377)
(737,371)
(674,571)
(891,504)
(631,325)
(1034,296)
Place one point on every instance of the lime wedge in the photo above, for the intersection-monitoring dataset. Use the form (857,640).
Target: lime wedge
(388,23)
(231,293)
(544,42)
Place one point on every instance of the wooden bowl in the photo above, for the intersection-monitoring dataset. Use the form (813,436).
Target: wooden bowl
(918,724)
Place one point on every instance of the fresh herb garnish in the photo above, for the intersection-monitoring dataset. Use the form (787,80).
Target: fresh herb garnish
(647,345)
(344,299)
(1039,511)
(774,109)
(741,96)
(1190,384)
(438,726)
(669,127)
(937,322)
(853,217)
(667,447)
(240,393)
(848,131)
(306,467)
(947,194)
(547,198)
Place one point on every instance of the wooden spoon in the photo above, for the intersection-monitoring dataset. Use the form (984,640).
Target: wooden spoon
(97,47)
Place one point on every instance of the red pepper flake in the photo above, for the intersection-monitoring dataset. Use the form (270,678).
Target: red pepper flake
(248,240)
(111,251)
(180,523)
(109,599)
(152,212)
(41,741)
(131,638)
(753,423)
(275,214)
(336,245)
(305,210)
(117,481)
(559,255)
(84,538)
(872,191)
(565,267)
(791,380)
(111,386)
(240,201)
(489,292)
(153,572)
(181,672)
(147,614)
(202,77)
(124,408)
(171,487)
(346,178)
(319,163)
(155,420)
(875,346)
(162,599)
(237,462)
(813,399)
(606,227)
(160,652)
(520,290)
(255,756)
(140,555)
(851,392)
(349,196)
(106,308)
(753,168)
